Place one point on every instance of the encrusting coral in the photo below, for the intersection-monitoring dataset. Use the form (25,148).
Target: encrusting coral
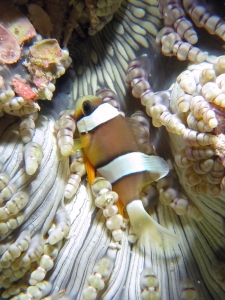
(30,66)
(55,245)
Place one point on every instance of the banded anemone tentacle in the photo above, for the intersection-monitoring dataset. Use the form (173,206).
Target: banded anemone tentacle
(106,200)
(33,217)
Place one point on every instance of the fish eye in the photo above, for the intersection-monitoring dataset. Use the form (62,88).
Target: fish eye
(88,107)
(85,106)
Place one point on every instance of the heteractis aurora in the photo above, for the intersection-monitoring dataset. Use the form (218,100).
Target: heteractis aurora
(54,248)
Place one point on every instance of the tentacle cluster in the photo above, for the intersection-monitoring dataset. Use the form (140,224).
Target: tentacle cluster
(202,16)
(172,44)
(101,272)
(170,195)
(32,225)
(137,76)
(65,129)
(174,15)
(178,27)
(77,170)
(143,125)
(193,109)
(106,200)
(27,127)
(149,285)
(32,155)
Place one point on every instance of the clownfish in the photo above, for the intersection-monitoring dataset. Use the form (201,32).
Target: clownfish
(112,149)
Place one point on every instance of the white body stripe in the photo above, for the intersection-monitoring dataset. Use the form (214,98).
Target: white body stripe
(102,114)
(133,162)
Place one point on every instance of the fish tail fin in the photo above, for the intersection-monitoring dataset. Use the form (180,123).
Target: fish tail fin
(143,224)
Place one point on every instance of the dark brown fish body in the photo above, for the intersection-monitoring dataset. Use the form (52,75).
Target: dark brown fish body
(108,141)
(112,146)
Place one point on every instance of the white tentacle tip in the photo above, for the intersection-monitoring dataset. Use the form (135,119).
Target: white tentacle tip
(33,155)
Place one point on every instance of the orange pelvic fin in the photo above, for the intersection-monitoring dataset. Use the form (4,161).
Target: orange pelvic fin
(90,170)
(120,207)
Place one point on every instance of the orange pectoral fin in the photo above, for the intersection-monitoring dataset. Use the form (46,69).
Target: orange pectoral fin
(82,142)
(90,170)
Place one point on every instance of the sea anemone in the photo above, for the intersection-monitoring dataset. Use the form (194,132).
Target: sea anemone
(62,248)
